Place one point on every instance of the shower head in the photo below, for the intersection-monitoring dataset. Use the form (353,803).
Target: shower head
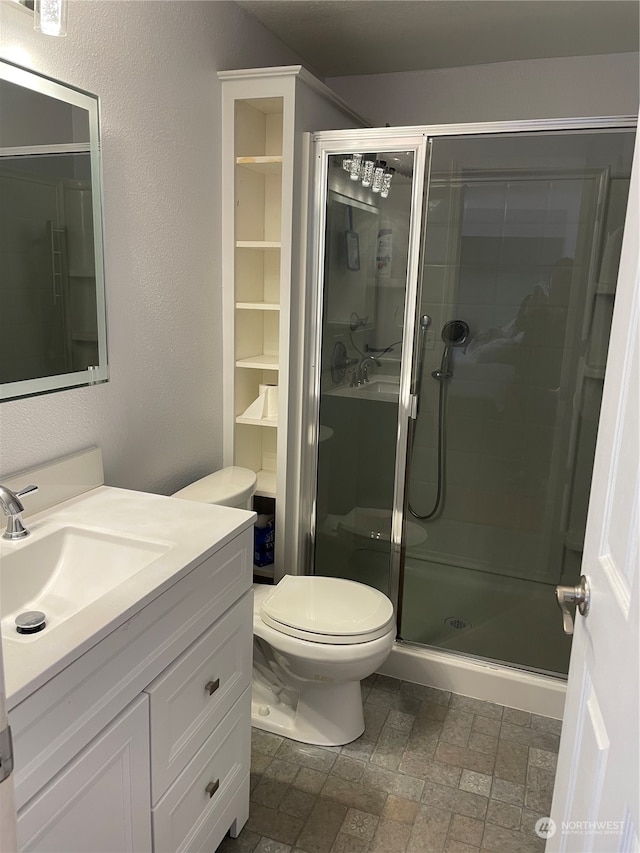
(454,334)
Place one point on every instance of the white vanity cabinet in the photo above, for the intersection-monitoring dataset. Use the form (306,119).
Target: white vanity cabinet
(143,742)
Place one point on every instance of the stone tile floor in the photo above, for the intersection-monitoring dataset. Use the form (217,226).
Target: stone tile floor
(433,771)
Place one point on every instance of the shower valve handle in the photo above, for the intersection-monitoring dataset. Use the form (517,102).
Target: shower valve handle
(579,595)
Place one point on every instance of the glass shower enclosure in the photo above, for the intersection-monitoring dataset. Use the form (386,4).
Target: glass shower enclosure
(463,323)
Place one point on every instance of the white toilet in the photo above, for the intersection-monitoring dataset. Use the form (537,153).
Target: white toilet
(314,639)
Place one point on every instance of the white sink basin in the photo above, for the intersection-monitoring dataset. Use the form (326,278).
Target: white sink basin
(383,388)
(61,571)
(92,562)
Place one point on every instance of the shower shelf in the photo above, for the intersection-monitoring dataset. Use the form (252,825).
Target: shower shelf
(605,288)
(574,540)
(593,372)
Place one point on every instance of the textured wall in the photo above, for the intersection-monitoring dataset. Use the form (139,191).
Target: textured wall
(153,64)
(503,91)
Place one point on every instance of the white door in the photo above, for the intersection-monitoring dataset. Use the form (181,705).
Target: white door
(7,803)
(596,798)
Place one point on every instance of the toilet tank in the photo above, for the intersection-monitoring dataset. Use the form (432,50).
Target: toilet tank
(232,486)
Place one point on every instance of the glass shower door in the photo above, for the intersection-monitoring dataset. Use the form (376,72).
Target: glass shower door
(367,237)
(520,261)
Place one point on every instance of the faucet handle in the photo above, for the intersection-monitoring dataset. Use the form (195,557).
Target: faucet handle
(26,490)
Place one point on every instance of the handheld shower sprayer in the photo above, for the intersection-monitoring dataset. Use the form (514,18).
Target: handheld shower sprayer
(455,333)
(425,322)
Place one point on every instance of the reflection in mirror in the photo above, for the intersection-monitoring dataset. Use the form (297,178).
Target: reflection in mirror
(52,323)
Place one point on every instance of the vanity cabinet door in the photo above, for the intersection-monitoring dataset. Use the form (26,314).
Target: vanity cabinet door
(100,802)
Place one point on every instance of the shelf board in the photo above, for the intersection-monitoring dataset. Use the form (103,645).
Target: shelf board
(258,244)
(258,306)
(593,372)
(261,422)
(263,571)
(574,540)
(266,486)
(259,362)
(270,165)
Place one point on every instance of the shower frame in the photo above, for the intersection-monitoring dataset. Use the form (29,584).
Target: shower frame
(417,139)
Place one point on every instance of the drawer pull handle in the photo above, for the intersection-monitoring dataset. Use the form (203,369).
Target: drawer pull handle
(212,686)
(212,787)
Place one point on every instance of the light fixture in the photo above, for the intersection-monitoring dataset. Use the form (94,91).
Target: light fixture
(367,171)
(50,17)
(386,182)
(373,174)
(378,173)
(356,167)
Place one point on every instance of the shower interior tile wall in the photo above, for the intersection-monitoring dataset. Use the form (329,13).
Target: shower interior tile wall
(505,246)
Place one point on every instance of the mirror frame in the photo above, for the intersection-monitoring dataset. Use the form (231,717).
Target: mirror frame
(84,100)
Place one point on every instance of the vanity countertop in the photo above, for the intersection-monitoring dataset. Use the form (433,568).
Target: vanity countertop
(179,535)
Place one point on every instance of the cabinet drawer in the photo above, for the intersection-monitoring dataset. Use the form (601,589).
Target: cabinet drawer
(184,816)
(191,697)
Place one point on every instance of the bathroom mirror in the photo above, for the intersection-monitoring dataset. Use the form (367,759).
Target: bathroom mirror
(52,319)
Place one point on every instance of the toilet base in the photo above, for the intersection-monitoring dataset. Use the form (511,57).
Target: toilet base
(327,715)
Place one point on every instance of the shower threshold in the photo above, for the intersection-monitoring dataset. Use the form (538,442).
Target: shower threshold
(491,681)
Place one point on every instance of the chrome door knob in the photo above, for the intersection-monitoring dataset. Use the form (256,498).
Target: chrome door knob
(579,595)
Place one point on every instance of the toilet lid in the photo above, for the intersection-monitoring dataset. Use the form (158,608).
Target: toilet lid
(228,487)
(327,610)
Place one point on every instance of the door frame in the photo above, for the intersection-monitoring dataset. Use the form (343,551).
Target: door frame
(324,145)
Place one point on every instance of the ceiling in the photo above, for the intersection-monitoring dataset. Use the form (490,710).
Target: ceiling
(345,37)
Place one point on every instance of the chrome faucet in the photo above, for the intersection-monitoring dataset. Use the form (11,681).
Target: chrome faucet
(363,368)
(12,507)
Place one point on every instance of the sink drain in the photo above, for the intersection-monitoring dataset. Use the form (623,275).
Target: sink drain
(30,622)
(457,623)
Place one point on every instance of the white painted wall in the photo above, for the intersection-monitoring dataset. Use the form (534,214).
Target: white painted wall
(153,64)
(541,88)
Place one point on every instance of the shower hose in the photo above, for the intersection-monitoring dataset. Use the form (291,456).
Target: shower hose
(440,490)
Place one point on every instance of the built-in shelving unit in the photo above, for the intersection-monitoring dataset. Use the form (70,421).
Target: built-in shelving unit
(258,157)
(265,114)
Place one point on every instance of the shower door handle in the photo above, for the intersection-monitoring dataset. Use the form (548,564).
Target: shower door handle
(579,595)
(413,406)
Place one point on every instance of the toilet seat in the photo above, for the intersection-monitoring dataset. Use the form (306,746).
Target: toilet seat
(232,486)
(327,610)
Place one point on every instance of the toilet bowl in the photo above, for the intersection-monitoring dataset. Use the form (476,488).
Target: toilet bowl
(315,639)
(232,486)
